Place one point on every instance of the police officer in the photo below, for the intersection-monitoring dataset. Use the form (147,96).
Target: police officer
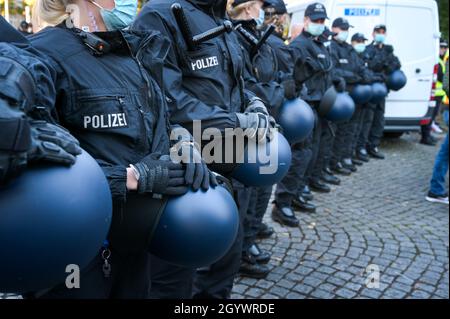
(205,83)
(366,116)
(261,68)
(351,67)
(381,59)
(287,191)
(314,71)
(277,15)
(439,94)
(110,96)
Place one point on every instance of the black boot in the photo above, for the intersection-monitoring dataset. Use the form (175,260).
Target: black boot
(362,155)
(265,231)
(330,179)
(256,254)
(357,161)
(256,271)
(307,194)
(428,141)
(375,153)
(319,186)
(302,205)
(348,164)
(285,216)
(341,170)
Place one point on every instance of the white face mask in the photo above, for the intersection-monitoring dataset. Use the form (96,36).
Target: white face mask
(260,19)
(342,36)
(359,47)
(380,38)
(315,29)
(121,16)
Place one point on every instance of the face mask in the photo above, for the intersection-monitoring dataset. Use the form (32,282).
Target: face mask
(359,47)
(121,16)
(380,38)
(315,29)
(342,36)
(260,20)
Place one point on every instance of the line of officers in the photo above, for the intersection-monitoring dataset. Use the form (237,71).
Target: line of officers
(155,81)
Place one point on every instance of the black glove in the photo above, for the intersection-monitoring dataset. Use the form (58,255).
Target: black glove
(256,125)
(197,173)
(290,89)
(52,143)
(160,176)
(339,84)
(389,49)
(256,105)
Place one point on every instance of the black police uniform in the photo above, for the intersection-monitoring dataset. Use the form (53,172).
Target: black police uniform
(15,141)
(350,66)
(14,127)
(205,84)
(115,106)
(380,59)
(287,188)
(261,77)
(314,69)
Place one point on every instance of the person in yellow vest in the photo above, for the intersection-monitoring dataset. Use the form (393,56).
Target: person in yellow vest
(440,95)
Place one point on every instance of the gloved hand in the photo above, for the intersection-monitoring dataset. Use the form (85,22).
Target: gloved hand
(290,89)
(256,105)
(256,125)
(52,143)
(389,49)
(197,173)
(160,176)
(339,84)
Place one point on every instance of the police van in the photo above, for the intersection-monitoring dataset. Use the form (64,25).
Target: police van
(413,30)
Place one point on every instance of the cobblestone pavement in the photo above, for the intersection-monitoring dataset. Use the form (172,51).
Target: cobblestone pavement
(378,216)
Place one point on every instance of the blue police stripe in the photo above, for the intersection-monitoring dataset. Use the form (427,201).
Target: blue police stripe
(362,12)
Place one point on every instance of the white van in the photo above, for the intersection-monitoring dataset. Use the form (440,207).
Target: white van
(413,30)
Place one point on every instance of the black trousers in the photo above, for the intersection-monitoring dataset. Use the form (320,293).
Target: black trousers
(170,281)
(259,200)
(322,147)
(377,129)
(362,110)
(129,279)
(295,179)
(366,126)
(346,135)
(426,129)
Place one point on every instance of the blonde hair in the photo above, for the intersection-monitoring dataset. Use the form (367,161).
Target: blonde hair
(235,12)
(53,12)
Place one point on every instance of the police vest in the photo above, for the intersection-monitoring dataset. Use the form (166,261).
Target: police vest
(439,85)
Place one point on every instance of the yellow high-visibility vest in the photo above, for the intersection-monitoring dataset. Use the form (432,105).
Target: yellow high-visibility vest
(439,85)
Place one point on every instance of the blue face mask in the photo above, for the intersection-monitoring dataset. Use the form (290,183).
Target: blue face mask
(380,38)
(315,29)
(121,16)
(260,20)
(342,36)
(360,47)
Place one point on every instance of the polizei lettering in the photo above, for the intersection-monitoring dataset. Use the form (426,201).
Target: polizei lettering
(205,63)
(105,121)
